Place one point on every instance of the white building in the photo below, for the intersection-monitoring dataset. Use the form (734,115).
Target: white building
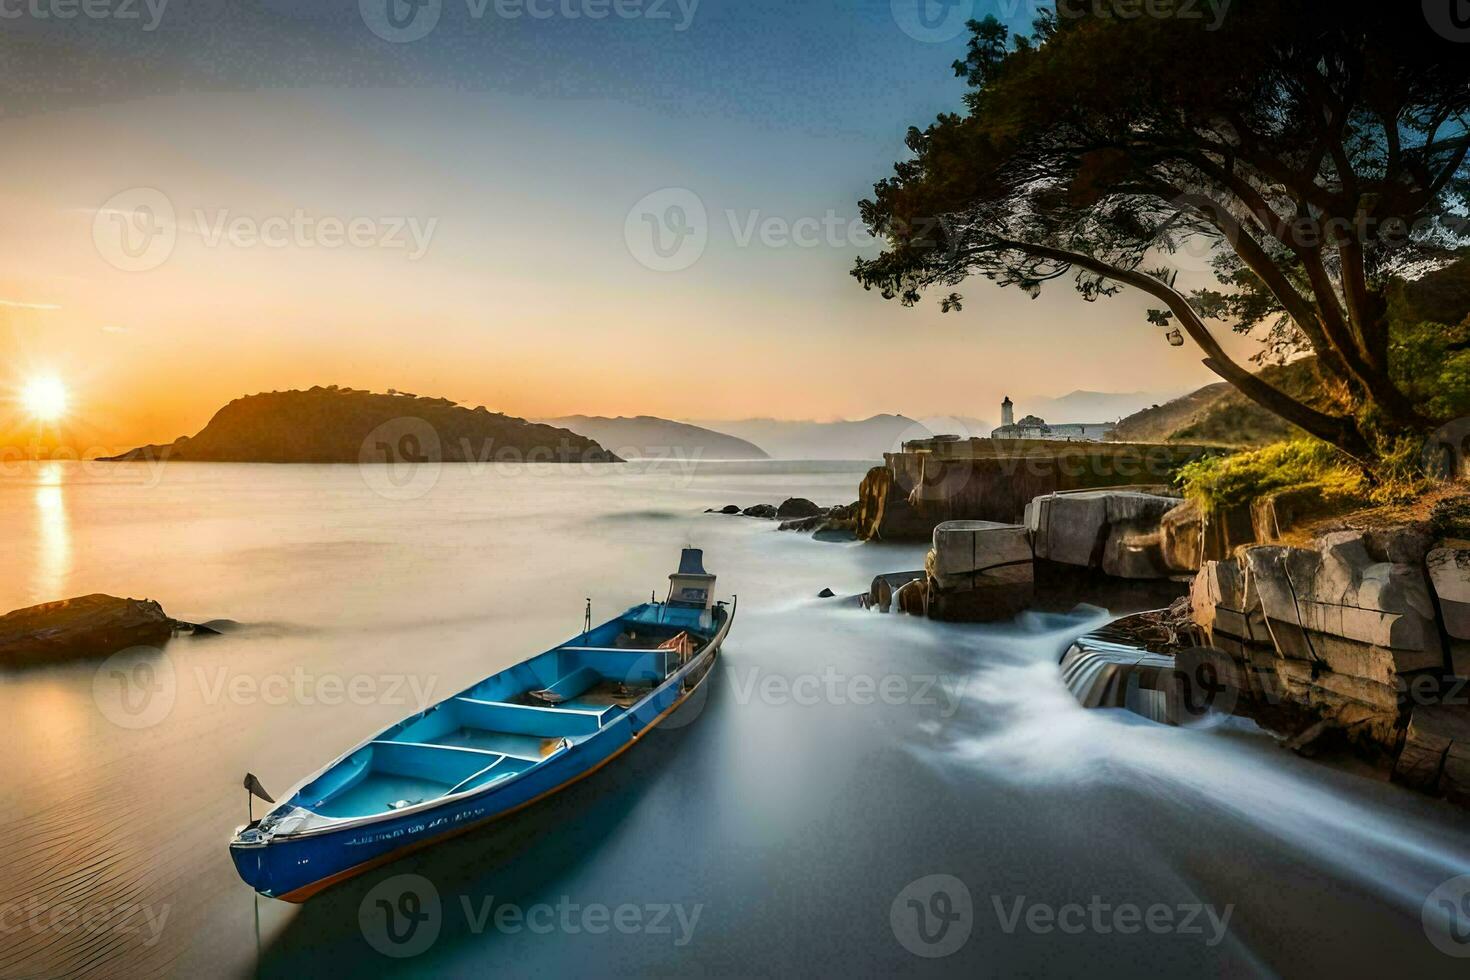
(1031,427)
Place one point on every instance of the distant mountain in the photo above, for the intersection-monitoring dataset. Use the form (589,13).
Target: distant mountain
(646,437)
(345,425)
(865,439)
(1092,406)
(1218,415)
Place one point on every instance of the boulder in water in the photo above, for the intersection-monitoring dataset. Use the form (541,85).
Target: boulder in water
(793,507)
(826,594)
(730,509)
(87,626)
(766,511)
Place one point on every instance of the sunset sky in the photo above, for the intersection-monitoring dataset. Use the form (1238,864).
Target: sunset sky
(489,177)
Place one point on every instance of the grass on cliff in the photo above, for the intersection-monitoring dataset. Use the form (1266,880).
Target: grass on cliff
(1222,482)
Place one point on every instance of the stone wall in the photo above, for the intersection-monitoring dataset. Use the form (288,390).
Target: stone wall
(994,480)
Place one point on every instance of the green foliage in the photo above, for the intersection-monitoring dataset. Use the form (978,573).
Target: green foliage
(1398,472)
(1431,364)
(1221,482)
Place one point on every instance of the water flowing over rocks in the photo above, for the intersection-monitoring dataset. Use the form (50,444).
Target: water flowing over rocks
(1360,638)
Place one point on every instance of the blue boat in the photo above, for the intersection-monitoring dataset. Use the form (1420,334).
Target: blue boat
(497,747)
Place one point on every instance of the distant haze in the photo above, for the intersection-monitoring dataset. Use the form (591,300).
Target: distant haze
(1093,406)
(865,439)
(645,437)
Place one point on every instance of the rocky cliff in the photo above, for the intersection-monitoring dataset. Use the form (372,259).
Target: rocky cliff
(994,480)
(345,425)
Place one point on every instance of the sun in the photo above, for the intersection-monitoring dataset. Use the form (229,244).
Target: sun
(45,398)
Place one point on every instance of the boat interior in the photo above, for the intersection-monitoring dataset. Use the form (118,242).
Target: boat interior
(513,720)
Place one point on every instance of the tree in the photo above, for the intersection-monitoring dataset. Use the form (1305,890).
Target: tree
(1316,150)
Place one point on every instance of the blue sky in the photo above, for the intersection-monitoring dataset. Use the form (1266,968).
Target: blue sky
(524,147)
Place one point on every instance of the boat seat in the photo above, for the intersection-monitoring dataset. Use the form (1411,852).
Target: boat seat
(522,719)
(575,684)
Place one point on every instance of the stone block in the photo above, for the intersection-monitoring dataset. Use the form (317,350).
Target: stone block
(1449,573)
(1075,528)
(979,570)
(966,550)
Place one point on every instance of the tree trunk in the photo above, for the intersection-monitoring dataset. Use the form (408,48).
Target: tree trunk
(1339,431)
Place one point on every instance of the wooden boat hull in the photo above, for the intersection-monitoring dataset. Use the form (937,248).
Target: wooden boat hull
(295,867)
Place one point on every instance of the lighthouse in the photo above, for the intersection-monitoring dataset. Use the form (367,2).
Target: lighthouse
(1007,412)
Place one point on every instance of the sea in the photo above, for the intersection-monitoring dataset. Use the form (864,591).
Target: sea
(852,794)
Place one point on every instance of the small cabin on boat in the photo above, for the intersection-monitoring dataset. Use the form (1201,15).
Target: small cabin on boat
(691,586)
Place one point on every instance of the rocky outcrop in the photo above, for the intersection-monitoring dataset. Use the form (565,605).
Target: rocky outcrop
(1449,573)
(1436,753)
(1117,531)
(87,626)
(1337,631)
(763,511)
(884,511)
(796,507)
(344,425)
(994,480)
(979,570)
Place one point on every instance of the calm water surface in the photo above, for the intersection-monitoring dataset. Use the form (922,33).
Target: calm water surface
(788,822)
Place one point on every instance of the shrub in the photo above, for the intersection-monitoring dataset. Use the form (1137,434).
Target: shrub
(1221,482)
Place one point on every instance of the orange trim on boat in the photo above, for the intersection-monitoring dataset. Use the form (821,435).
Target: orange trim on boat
(307,891)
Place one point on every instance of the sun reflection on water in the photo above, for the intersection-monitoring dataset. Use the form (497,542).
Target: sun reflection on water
(53,537)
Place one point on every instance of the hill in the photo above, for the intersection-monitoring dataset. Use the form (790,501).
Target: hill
(646,437)
(1218,415)
(345,425)
(864,439)
(1092,406)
